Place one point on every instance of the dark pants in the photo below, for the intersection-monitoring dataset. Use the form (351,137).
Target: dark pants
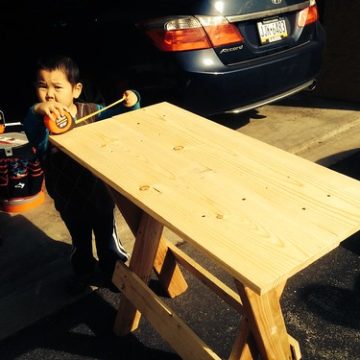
(86,207)
(82,222)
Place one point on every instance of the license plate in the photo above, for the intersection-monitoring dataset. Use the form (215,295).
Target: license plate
(272,30)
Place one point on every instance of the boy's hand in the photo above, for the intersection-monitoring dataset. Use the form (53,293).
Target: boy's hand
(130,98)
(51,108)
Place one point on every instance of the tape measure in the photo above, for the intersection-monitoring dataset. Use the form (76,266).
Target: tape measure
(66,122)
(61,124)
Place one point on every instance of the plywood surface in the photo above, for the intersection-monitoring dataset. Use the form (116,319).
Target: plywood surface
(261,213)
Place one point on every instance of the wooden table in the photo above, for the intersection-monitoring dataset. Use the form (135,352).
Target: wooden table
(260,213)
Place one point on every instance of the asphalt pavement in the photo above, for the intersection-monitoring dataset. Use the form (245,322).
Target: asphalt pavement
(321,307)
(38,320)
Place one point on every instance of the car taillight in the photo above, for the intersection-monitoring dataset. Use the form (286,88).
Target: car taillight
(308,16)
(192,33)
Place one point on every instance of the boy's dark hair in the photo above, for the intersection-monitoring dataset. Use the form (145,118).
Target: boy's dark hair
(61,62)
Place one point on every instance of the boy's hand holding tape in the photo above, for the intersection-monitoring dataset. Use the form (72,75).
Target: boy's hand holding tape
(57,117)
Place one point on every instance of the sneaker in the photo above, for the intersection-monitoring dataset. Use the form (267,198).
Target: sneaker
(78,284)
(103,279)
(108,284)
(123,255)
(117,247)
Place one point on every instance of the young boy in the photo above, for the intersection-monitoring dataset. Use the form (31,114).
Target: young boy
(82,200)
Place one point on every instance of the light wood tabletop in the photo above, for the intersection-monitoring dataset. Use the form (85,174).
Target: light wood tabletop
(261,213)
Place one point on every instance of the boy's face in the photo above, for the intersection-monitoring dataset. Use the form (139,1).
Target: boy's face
(54,86)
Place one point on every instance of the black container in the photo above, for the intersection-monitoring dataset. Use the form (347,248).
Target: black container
(21,174)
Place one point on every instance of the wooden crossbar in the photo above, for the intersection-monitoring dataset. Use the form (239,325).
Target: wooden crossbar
(172,329)
(230,297)
(208,279)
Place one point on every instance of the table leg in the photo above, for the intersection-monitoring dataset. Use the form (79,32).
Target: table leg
(165,266)
(266,322)
(168,271)
(244,347)
(141,263)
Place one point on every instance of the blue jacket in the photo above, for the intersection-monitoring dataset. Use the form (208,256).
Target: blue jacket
(38,134)
(69,184)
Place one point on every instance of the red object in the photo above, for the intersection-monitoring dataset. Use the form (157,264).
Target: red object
(21,204)
(308,16)
(192,33)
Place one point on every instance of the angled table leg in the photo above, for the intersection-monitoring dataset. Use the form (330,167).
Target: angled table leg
(168,271)
(141,263)
(244,347)
(266,322)
(165,266)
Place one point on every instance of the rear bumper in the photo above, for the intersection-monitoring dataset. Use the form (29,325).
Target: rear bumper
(247,85)
(307,85)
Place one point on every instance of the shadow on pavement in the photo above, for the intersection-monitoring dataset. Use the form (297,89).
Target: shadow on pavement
(24,251)
(236,121)
(340,304)
(73,333)
(350,165)
(40,319)
(337,162)
(33,272)
(335,304)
